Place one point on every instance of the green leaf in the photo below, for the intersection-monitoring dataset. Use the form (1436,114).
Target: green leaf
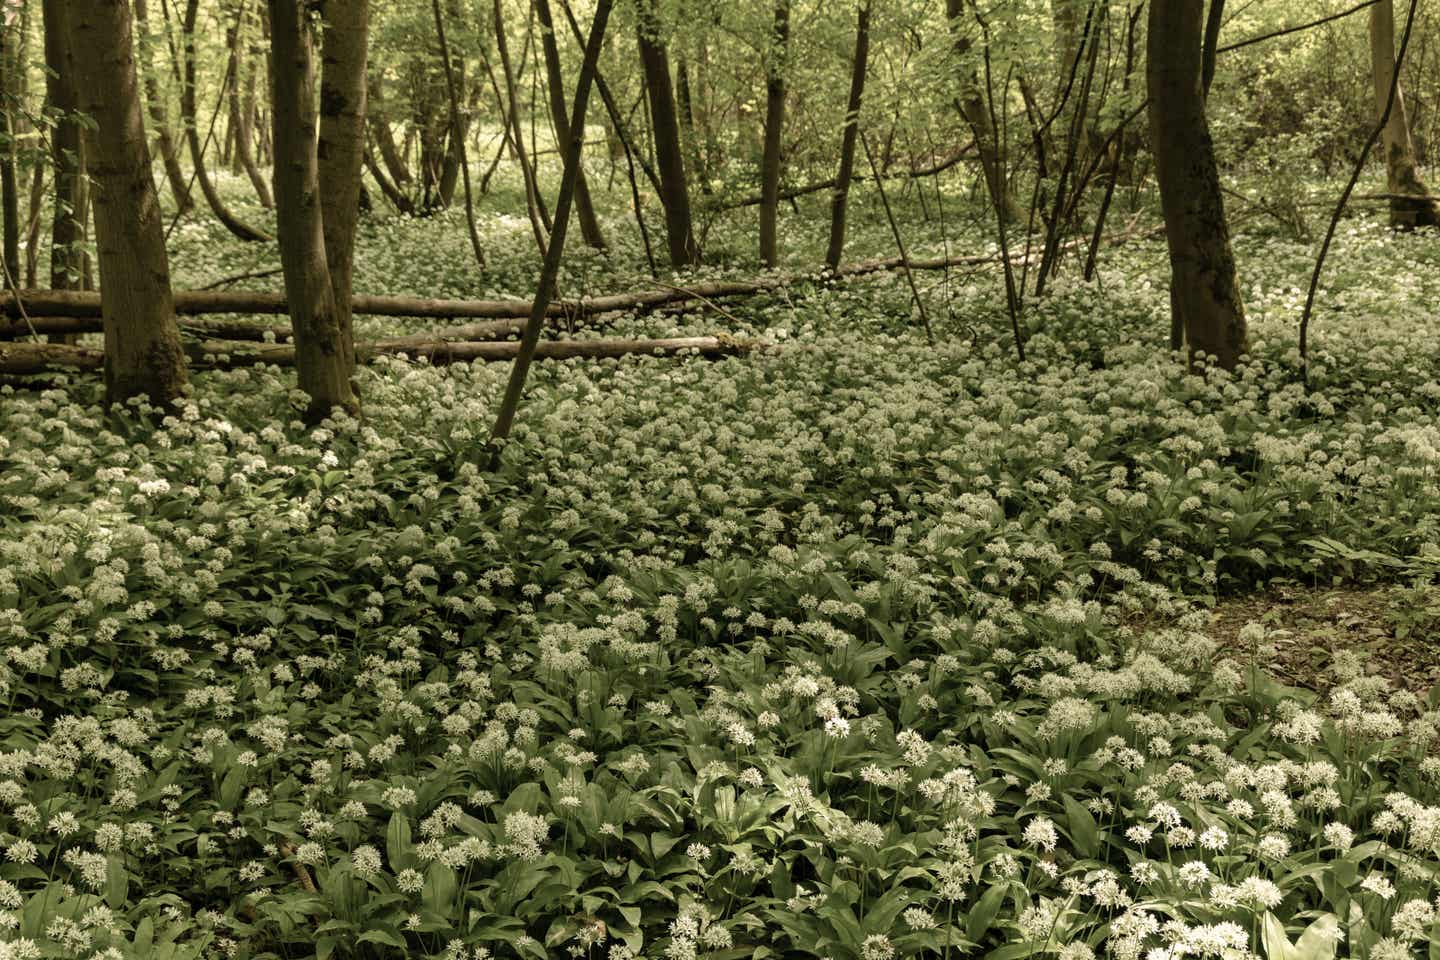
(397,841)
(386,935)
(117,883)
(1272,935)
(1083,832)
(985,910)
(1319,940)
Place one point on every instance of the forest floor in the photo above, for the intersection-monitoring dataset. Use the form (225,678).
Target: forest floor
(863,648)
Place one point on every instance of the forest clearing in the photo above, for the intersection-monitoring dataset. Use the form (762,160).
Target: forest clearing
(968,486)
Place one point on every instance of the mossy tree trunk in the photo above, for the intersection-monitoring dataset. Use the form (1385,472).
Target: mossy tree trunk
(840,199)
(1401,173)
(1204,295)
(324,360)
(669,156)
(776,56)
(345,45)
(142,342)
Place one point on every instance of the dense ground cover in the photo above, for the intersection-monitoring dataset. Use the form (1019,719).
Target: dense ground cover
(858,649)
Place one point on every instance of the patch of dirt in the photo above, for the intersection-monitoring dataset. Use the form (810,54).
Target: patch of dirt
(1391,628)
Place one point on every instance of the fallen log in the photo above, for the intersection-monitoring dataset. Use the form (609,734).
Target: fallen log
(25,358)
(47,304)
(39,357)
(78,311)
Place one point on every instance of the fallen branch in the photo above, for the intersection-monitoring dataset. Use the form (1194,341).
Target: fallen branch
(78,311)
(25,358)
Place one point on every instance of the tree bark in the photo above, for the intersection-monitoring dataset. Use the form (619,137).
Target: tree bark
(841,197)
(1401,172)
(345,44)
(234,224)
(324,362)
(142,345)
(777,55)
(550,270)
(1205,298)
(555,84)
(379,121)
(540,222)
(244,152)
(669,158)
(67,150)
(9,188)
(159,117)
(457,134)
(971,105)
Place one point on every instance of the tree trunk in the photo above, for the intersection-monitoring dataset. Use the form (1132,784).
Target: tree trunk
(232,223)
(159,118)
(379,121)
(142,344)
(1205,298)
(669,158)
(1401,171)
(555,83)
(9,189)
(240,122)
(324,361)
(841,197)
(345,47)
(540,222)
(457,133)
(774,126)
(67,150)
(457,128)
(971,104)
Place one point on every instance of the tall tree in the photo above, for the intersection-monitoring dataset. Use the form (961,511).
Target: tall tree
(234,224)
(324,361)
(970,101)
(159,116)
(67,150)
(775,67)
(1204,296)
(344,54)
(142,343)
(1401,173)
(669,157)
(841,197)
(244,152)
(10,65)
(555,81)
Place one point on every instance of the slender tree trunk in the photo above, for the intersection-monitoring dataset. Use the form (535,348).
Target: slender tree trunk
(32,231)
(234,224)
(67,150)
(971,104)
(345,45)
(684,98)
(457,133)
(323,359)
(1214,20)
(9,189)
(539,218)
(457,126)
(1205,298)
(1401,172)
(841,196)
(159,116)
(142,343)
(550,270)
(774,126)
(555,82)
(669,158)
(379,120)
(240,123)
